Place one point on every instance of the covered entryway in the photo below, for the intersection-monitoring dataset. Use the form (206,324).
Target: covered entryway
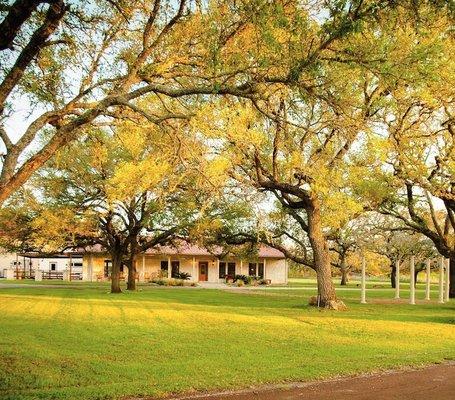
(203,271)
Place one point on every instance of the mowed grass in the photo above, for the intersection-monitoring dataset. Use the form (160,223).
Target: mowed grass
(84,343)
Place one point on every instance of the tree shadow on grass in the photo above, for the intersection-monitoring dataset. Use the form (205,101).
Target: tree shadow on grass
(246,303)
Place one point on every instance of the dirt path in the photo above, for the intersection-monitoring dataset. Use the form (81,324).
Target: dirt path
(432,383)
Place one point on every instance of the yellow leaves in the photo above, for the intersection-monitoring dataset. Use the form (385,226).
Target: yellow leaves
(233,123)
(205,227)
(338,208)
(376,264)
(54,228)
(132,139)
(132,178)
(296,160)
(99,154)
(216,171)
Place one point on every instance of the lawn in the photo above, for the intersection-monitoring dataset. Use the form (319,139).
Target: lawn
(84,343)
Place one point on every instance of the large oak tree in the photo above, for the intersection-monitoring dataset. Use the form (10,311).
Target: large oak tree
(71,64)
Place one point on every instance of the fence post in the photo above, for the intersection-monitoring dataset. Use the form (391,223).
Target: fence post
(441,280)
(10,274)
(38,275)
(66,275)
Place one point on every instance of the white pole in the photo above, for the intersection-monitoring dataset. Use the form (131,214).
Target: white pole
(447,281)
(428,280)
(412,300)
(441,280)
(397,279)
(363,289)
(90,267)
(169,267)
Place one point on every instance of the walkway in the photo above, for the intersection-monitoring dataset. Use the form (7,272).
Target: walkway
(432,383)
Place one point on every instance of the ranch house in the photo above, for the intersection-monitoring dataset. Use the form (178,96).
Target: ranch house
(199,263)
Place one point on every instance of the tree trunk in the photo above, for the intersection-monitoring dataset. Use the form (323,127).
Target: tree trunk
(344,277)
(326,290)
(132,272)
(452,278)
(115,275)
(393,275)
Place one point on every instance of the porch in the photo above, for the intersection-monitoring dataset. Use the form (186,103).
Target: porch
(196,268)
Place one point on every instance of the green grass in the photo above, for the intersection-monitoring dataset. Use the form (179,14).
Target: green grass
(84,343)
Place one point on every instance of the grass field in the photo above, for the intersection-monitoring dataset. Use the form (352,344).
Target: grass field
(84,343)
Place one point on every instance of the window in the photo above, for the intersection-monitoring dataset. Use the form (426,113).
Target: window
(231,269)
(222,270)
(261,270)
(175,265)
(252,269)
(53,266)
(175,268)
(107,268)
(76,264)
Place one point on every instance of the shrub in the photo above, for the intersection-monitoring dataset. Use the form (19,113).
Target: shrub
(240,283)
(183,275)
(246,279)
(175,282)
(158,281)
(167,282)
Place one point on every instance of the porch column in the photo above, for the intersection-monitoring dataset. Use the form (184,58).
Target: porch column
(265,269)
(447,281)
(441,280)
(71,267)
(218,267)
(427,282)
(90,268)
(241,267)
(143,267)
(286,269)
(169,268)
(195,278)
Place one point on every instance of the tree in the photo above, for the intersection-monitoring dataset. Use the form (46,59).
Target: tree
(128,192)
(16,231)
(79,65)
(393,240)
(74,87)
(414,184)
(309,144)
(344,244)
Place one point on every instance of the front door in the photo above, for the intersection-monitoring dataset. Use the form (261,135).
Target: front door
(203,271)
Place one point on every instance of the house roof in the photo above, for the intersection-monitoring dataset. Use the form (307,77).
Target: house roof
(187,249)
(65,254)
